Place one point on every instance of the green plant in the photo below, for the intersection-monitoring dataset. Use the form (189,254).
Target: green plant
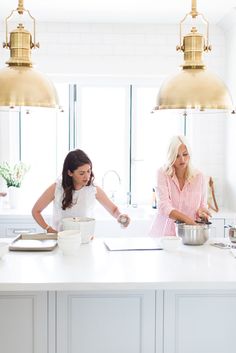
(13,175)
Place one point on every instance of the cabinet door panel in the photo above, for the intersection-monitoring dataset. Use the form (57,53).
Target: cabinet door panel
(199,322)
(106,323)
(23,322)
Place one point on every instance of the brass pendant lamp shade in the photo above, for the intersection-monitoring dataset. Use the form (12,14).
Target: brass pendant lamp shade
(25,86)
(194,87)
(20,83)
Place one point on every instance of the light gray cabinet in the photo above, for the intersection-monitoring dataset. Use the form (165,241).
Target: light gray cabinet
(23,322)
(199,321)
(171,321)
(106,322)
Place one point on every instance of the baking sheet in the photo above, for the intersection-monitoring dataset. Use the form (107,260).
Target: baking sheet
(134,243)
(34,242)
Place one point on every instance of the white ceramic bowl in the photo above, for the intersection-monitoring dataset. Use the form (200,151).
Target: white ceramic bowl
(3,248)
(69,246)
(85,225)
(69,241)
(170,242)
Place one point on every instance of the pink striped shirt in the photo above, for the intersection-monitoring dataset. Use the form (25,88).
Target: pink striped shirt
(170,197)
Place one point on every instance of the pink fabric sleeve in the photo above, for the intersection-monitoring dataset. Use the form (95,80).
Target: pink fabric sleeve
(165,205)
(204,192)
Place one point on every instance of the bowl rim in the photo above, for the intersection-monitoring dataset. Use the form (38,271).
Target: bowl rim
(192,226)
(78,219)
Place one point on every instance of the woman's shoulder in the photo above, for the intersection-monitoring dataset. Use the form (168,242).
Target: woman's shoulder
(58,183)
(162,172)
(198,175)
(163,176)
(89,189)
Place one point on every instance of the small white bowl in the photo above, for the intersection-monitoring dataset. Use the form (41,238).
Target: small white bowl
(3,248)
(69,246)
(170,242)
(69,241)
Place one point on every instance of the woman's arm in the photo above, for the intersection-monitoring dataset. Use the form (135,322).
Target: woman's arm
(179,216)
(41,204)
(104,200)
(163,194)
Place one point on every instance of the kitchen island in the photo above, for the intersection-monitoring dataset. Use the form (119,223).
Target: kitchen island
(118,301)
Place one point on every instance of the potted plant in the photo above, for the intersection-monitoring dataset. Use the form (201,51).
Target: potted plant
(13,176)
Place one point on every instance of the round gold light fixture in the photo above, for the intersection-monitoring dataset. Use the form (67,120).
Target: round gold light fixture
(25,86)
(194,87)
(20,83)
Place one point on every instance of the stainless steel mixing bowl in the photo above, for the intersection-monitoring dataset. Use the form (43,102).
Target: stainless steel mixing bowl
(193,234)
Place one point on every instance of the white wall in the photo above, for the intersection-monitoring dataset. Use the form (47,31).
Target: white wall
(127,50)
(132,53)
(229,27)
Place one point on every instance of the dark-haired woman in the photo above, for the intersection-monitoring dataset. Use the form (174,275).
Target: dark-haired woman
(74,195)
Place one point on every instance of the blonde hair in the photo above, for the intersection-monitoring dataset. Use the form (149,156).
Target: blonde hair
(172,153)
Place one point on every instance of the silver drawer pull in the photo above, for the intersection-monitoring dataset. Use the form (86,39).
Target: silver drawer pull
(21,231)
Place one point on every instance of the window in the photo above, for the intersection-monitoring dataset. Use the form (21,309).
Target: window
(151,133)
(113,124)
(103,133)
(40,138)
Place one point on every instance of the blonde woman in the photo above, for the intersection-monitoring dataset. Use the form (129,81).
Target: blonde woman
(181,190)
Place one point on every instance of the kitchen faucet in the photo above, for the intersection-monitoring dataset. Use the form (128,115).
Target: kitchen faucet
(112,190)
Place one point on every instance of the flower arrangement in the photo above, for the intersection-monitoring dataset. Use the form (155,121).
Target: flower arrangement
(13,175)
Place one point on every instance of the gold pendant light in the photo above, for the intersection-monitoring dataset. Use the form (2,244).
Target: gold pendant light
(20,83)
(194,87)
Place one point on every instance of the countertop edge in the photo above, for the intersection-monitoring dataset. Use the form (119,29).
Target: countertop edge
(111,287)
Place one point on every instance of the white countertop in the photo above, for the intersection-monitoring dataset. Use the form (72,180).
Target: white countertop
(96,268)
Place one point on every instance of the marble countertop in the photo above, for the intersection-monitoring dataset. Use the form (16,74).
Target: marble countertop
(96,268)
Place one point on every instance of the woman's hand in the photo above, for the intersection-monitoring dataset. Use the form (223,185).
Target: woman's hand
(190,222)
(203,213)
(124,220)
(50,230)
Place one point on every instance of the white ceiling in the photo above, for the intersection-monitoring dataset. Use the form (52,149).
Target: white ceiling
(119,11)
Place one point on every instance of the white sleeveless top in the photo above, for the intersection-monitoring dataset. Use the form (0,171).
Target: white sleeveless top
(83,204)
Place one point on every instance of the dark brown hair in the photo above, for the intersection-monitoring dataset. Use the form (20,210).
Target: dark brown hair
(73,160)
